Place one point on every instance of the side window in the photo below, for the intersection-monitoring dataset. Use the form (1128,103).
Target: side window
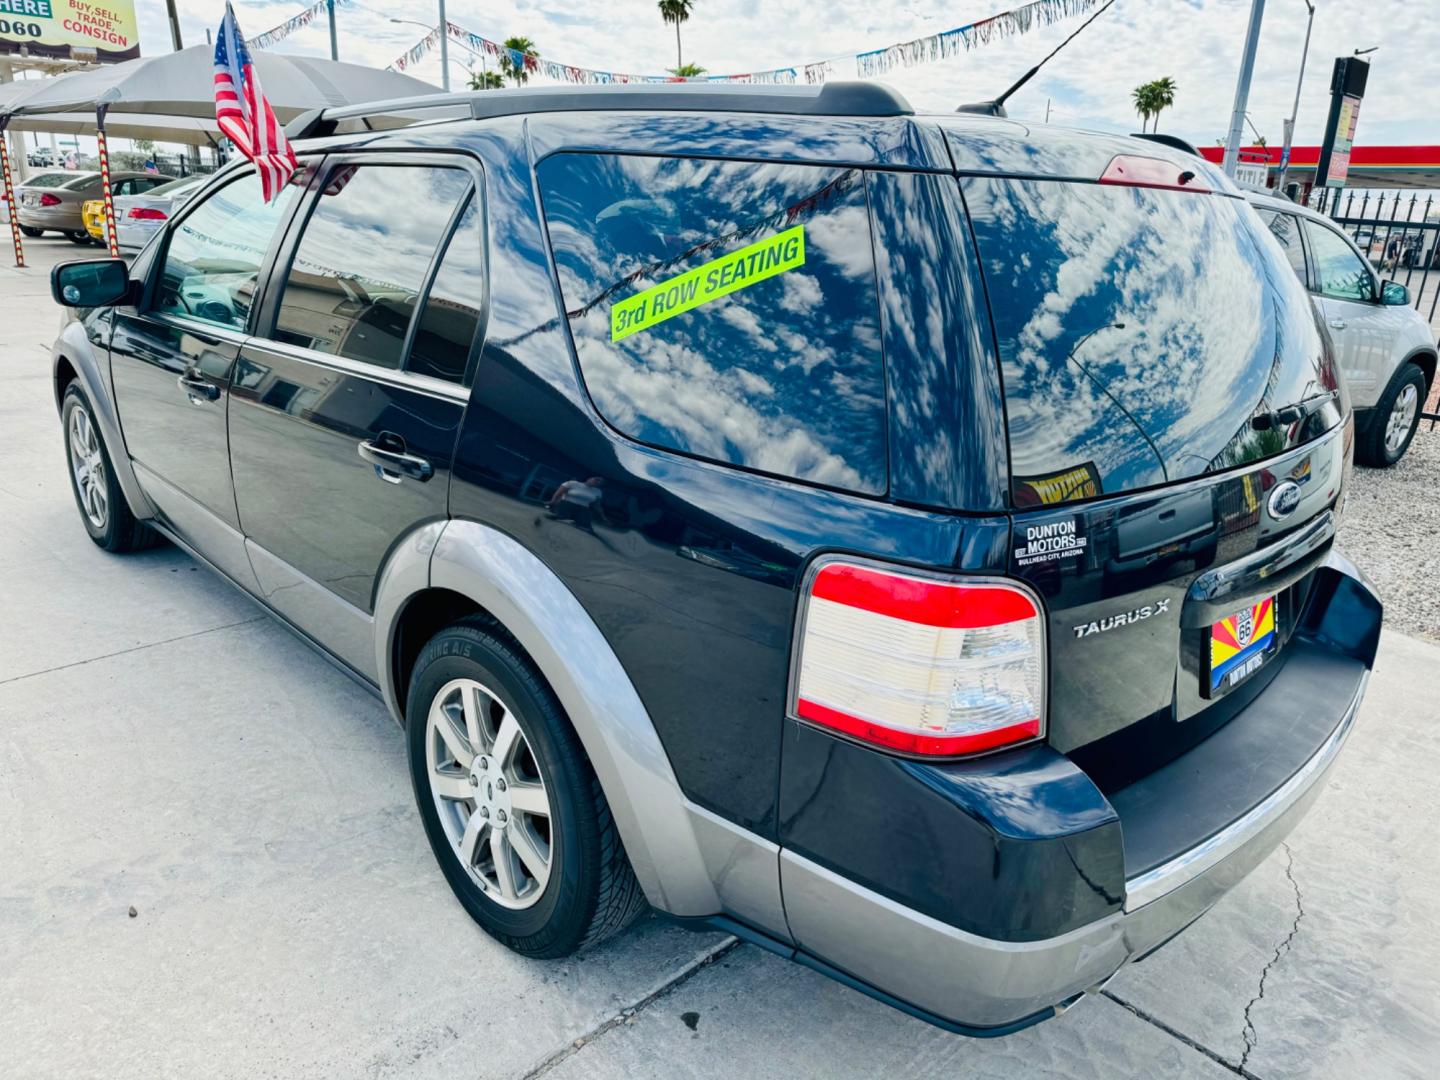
(213,260)
(453,307)
(726,309)
(1339,272)
(1286,230)
(364,257)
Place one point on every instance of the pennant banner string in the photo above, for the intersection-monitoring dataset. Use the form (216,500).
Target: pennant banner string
(906,54)
(289,26)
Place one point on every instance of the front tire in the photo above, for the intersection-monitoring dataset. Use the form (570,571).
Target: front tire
(511,806)
(103,510)
(78,236)
(1395,419)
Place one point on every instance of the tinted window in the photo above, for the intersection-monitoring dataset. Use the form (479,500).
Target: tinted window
(1285,228)
(1339,272)
(726,309)
(1139,332)
(214,255)
(363,259)
(49,180)
(453,305)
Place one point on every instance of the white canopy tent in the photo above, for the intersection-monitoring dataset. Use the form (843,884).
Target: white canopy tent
(171,98)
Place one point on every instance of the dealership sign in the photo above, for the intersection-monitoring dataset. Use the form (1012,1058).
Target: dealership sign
(94,30)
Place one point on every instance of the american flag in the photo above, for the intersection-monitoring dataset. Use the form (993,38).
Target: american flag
(244,114)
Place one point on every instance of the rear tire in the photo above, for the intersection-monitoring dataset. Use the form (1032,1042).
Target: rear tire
(567,883)
(31,231)
(1394,420)
(78,236)
(103,510)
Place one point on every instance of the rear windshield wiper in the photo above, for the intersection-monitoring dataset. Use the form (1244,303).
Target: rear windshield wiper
(1290,414)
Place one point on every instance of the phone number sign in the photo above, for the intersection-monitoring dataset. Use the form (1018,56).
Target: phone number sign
(95,30)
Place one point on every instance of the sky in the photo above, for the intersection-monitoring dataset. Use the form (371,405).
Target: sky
(1197,43)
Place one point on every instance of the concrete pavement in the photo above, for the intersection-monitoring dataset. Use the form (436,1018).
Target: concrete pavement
(165,747)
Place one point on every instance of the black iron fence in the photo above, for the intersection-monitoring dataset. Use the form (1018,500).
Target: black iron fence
(1399,232)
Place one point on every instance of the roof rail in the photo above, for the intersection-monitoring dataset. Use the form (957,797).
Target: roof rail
(826,99)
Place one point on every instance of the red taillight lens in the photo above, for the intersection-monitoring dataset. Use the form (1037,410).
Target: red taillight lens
(920,665)
(49,200)
(141,213)
(1131,170)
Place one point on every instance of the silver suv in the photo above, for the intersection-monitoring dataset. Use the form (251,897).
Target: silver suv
(1385,347)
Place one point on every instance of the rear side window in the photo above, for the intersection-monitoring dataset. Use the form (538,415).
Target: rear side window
(452,310)
(1339,272)
(726,309)
(1140,330)
(1285,228)
(364,257)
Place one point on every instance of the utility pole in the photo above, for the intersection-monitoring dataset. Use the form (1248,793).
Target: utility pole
(1242,88)
(334,47)
(175,41)
(444,49)
(1290,124)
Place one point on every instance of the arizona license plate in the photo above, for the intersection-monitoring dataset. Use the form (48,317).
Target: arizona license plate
(1240,644)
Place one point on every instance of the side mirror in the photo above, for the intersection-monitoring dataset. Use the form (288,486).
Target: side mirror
(1393,294)
(91,283)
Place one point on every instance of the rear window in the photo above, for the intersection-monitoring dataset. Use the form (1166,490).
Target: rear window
(1140,330)
(726,309)
(49,180)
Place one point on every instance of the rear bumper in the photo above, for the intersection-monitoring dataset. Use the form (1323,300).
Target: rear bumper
(64,219)
(986,986)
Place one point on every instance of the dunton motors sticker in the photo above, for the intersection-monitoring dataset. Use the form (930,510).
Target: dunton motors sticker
(1057,540)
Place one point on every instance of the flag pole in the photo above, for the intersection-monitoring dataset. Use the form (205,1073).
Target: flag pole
(105,182)
(12,211)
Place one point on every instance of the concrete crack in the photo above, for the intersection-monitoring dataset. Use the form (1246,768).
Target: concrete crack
(1252,1037)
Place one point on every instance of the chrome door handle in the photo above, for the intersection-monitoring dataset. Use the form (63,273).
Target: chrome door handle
(197,388)
(394,465)
(1338,324)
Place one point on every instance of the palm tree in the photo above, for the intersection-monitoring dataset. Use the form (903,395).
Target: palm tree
(1143,97)
(676,11)
(687,71)
(516,73)
(1164,97)
(486,80)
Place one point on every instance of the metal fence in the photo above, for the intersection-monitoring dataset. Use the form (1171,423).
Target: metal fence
(1399,232)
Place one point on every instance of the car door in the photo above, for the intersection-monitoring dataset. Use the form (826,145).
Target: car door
(1364,331)
(172,358)
(347,402)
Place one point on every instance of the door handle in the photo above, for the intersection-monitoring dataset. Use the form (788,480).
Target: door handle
(197,388)
(392,465)
(1338,324)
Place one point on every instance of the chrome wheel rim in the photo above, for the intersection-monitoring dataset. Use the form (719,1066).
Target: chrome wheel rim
(87,465)
(1402,418)
(488,792)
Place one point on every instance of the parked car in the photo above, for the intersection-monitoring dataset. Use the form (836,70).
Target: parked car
(92,213)
(138,217)
(1384,345)
(59,206)
(939,591)
(40,182)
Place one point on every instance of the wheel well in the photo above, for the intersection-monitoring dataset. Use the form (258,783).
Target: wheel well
(423,616)
(1426,363)
(64,375)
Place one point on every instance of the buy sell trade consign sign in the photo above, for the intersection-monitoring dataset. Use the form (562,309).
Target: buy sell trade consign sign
(103,30)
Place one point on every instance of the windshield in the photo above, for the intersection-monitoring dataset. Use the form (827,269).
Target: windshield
(1141,332)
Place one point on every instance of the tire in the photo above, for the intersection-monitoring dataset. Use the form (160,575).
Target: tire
(78,236)
(31,231)
(588,891)
(1393,423)
(103,510)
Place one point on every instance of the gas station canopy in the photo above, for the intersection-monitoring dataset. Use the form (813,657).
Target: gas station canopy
(1370,166)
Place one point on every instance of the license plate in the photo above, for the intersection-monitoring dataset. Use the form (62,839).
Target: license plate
(1239,645)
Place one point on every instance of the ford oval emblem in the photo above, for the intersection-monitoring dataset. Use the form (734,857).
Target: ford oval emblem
(1284,499)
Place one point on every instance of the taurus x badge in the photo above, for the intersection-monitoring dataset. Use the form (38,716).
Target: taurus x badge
(1124,618)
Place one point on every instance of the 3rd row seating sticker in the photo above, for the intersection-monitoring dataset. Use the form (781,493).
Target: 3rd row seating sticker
(709,281)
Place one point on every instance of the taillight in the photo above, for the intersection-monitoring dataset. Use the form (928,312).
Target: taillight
(919,664)
(1133,170)
(49,200)
(141,213)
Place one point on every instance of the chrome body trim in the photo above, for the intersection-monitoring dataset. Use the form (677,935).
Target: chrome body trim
(93,372)
(534,605)
(985,983)
(1153,884)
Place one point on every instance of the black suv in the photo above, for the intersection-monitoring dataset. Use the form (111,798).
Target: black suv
(906,542)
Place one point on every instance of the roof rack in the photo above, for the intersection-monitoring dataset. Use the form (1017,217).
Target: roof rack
(826,99)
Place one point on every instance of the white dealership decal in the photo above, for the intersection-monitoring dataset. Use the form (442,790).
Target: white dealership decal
(1049,542)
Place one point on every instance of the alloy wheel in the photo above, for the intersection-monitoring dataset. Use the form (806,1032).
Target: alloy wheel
(489,794)
(1402,418)
(88,466)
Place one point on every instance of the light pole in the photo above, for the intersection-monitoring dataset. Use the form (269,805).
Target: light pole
(444,46)
(1242,88)
(1294,112)
(334,46)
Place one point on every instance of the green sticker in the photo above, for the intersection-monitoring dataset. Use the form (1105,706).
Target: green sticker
(709,281)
